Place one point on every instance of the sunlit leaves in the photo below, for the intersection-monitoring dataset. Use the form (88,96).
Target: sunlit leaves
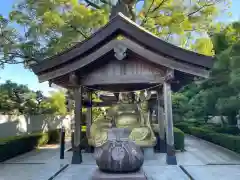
(182,18)
(203,46)
(57,101)
(49,27)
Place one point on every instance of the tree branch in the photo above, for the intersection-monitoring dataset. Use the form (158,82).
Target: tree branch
(159,5)
(3,61)
(106,2)
(168,36)
(18,55)
(146,16)
(92,4)
(78,30)
(199,9)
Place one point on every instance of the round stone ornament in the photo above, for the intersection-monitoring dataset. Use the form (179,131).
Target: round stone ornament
(119,155)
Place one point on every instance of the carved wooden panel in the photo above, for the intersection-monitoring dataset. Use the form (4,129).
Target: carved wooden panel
(124,71)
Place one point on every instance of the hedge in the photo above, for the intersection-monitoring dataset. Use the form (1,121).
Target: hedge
(225,140)
(178,139)
(228,130)
(184,126)
(13,146)
(228,141)
(200,132)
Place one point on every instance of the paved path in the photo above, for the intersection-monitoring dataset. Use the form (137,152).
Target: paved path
(207,161)
(202,160)
(200,152)
(38,164)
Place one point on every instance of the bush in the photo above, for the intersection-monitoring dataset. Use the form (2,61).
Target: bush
(198,123)
(228,130)
(13,146)
(54,136)
(200,132)
(184,126)
(223,136)
(178,139)
(225,140)
(228,141)
(42,139)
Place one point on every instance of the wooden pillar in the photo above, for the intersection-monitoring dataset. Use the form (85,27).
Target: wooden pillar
(89,119)
(161,123)
(171,158)
(89,114)
(151,115)
(77,155)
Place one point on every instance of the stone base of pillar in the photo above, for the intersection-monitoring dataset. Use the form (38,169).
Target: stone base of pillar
(77,156)
(171,160)
(161,146)
(171,157)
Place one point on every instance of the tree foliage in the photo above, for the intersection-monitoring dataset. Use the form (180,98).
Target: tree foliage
(19,99)
(219,94)
(57,101)
(45,27)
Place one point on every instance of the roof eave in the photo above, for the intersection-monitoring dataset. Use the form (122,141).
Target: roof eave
(134,31)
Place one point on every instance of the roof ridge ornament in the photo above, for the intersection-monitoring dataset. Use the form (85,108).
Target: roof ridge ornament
(120,51)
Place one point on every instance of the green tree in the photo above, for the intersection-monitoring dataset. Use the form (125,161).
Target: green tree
(180,108)
(49,27)
(57,102)
(19,99)
(13,97)
(219,94)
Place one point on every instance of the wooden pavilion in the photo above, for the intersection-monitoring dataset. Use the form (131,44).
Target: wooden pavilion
(136,61)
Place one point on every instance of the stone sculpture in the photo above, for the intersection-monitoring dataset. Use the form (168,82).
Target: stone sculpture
(127,114)
(119,154)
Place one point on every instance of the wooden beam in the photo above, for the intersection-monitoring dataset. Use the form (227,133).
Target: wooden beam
(169,77)
(163,61)
(138,49)
(73,79)
(79,63)
(126,79)
(99,104)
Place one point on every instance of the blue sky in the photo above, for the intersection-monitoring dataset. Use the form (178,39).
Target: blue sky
(18,74)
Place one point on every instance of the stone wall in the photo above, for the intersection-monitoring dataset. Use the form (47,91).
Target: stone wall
(17,125)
